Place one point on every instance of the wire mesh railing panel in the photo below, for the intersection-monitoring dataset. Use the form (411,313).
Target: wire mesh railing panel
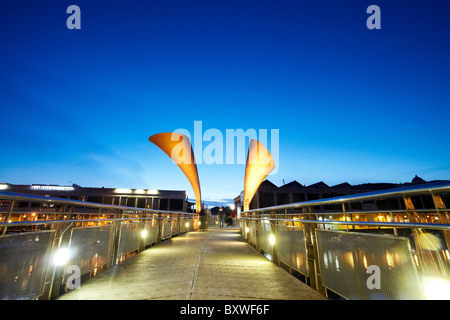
(91,246)
(291,247)
(182,226)
(251,234)
(151,227)
(24,261)
(129,238)
(166,228)
(367,266)
(175,226)
(264,237)
(432,252)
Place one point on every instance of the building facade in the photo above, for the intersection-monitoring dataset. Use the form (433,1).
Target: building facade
(268,194)
(139,198)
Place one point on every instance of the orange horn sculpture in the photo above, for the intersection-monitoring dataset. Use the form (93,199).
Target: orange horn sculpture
(182,154)
(259,164)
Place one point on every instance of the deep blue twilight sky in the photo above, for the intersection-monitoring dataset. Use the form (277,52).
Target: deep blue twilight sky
(351,104)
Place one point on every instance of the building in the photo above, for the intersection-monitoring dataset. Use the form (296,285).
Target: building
(140,198)
(268,194)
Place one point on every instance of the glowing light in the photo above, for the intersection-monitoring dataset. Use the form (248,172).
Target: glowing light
(272,239)
(365,261)
(247,230)
(152,191)
(390,259)
(61,256)
(187,224)
(144,233)
(121,190)
(139,191)
(416,260)
(348,256)
(3,186)
(436,288)
(429,241)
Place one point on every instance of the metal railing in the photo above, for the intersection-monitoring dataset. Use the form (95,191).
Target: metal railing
(40,249)
(376,254)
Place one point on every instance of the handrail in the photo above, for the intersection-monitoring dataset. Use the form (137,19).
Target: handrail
(433,187)
(372,211)
(5,195)
(438,226)
(43,222)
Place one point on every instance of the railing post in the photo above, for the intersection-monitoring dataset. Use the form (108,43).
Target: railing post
(141,246)
(275,234)
(313,253)
(412,216)
(394,228)
(444,217)
(345,216)
(178,223)
(257,232)
(12,203)
(160,223)
(57,273)
(116,240)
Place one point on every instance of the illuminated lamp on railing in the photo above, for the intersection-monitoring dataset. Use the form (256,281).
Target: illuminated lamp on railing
(436,288)
(61,257)
(144,233)
(3,186)
(121,190)
(272,239)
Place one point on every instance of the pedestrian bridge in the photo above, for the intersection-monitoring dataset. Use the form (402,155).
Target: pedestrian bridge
(310,250)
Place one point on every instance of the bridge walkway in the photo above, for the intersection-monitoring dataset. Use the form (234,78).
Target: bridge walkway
(216,264)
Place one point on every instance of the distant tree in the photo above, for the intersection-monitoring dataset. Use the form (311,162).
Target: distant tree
(227,211)
(215,210)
